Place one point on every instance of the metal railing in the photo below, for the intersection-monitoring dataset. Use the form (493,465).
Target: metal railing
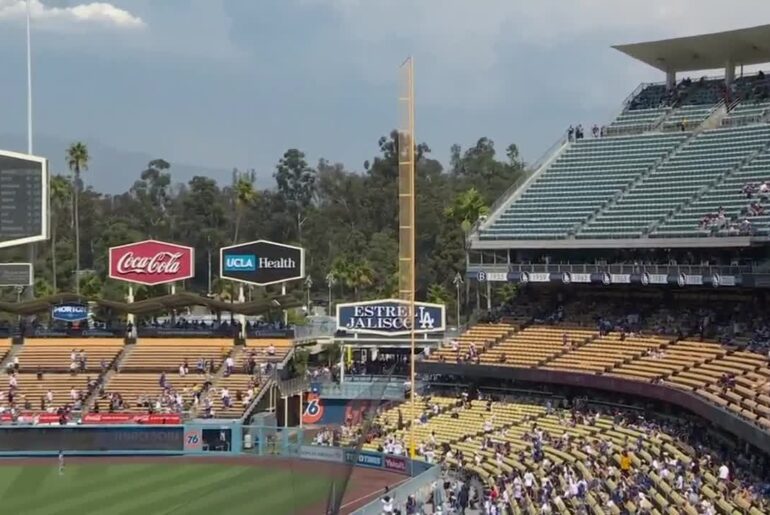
(317,327)
(619,268)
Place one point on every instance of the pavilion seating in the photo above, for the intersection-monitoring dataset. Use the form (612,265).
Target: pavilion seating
(605,352)
(166,354)
(135,386)
(29,388)
(260,348)
(234,383)
(696,166)
(534,344)
(54,354)
(5,346)
(481,335)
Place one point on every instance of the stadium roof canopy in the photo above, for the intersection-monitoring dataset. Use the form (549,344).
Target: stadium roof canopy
(705,52)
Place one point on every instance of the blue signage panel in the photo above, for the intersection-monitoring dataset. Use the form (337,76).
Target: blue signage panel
(364,459)
(70,312)
(390,317)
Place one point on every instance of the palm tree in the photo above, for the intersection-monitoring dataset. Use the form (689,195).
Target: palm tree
(60,193)
(77,161)
(244,196)
(361,275)
(467,208)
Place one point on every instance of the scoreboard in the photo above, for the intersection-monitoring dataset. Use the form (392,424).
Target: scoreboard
(23,199)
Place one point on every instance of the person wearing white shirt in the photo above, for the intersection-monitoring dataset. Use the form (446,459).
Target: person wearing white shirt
(387,504)
(724,473)
(182,371)
(73,393)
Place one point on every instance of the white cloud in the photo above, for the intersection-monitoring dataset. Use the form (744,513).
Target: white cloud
(469,51)
(94,14)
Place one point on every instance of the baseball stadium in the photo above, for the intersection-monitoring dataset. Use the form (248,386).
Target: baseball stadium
(598,342)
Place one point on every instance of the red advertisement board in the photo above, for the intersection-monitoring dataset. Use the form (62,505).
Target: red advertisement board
(151,262)
(395,463)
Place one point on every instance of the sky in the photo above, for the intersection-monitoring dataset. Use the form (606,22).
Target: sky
(220,84)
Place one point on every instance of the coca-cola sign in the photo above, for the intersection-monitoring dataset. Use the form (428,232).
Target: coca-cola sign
(151,262)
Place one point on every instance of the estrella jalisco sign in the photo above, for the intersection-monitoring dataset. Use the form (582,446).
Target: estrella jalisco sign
(390,317)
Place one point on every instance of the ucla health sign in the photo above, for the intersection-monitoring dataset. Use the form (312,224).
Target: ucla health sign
(390,317)
(70,312)
(262,262)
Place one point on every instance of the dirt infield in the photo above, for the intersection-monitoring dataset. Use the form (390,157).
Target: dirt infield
(365,484)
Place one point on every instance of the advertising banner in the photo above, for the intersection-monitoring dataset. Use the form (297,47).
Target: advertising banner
(131,418)
(70,312)
(365,459)
(151,262)
(314,410)
(395,463)
(390,317)
(321,453)
(193,440)
(262,262)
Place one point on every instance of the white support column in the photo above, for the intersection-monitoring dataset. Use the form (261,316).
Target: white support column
(342,364)
(489,296)
(242,317)
(729,73)
(130,299)
(286,411)
(285,313)
(670,80)
(270,405)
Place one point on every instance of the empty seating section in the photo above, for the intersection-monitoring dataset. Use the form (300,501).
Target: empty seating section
(5,346)
(747,112)
(688,117)
(605,352)
(578,184)
(727,195)
(166,354)
(530,346)
(55,354)
(637,120)
(480,335)
(696,166)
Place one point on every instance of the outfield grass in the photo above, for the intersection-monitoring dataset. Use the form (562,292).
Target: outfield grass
(157,489)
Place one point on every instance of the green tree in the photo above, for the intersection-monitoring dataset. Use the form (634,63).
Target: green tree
(244,196)
(296,184)
(77,162)
(61,193)
(466,209)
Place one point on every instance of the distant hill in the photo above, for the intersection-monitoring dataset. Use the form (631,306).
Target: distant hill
(112,170)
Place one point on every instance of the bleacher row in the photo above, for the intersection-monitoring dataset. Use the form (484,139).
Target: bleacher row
(134,371)
(657,174)
(464,428)
(696,366)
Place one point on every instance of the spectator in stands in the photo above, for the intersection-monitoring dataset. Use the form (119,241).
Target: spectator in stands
(271,350)
(571,133)
(201,366)
(595,131)
(182,370)
(225,394)
(229,365)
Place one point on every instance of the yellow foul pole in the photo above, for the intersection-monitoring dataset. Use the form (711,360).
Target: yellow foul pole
(406,213)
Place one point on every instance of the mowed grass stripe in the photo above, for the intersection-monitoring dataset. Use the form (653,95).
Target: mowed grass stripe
(258,484)
(173,494)
(295,493)
(94,500)
(50,487)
